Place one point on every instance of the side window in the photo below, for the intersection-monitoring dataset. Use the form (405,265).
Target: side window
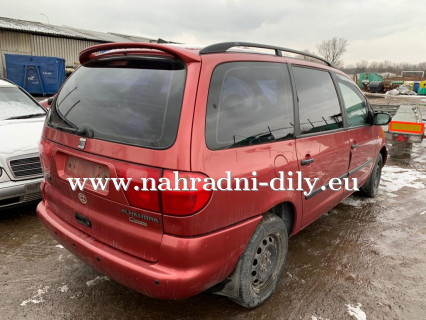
(319,108)
(249,103)
(354,101)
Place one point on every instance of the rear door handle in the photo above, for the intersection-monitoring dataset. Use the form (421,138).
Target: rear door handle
(354,146)
(307,161)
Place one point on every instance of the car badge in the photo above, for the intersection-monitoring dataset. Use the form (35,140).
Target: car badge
(82,143)
(82,198)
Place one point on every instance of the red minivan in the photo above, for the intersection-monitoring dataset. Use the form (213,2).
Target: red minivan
(151,111)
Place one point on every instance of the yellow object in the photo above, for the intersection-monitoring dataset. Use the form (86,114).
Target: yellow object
(410,83)
(422,84)
(406,127)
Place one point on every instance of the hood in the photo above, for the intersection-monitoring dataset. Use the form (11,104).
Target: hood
(19,137)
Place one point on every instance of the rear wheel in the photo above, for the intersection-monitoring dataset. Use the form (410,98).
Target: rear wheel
(371,187)
(263,262)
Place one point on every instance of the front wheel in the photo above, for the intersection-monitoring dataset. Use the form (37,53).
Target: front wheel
(371,187)
(262,262)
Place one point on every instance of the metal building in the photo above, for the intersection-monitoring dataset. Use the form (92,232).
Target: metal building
(39,39)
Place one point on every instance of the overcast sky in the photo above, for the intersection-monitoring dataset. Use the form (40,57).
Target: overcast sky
(376,29)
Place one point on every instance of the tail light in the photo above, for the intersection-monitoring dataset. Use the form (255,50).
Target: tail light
(149,200)
(180,202)
(44,150)
(174,200)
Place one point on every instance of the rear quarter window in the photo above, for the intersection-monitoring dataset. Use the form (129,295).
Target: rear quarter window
(248,103)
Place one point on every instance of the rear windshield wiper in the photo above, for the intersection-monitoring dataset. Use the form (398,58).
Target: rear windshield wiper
(66,129)
(27,116)
(83,131)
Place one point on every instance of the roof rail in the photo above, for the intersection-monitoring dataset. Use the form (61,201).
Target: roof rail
(224,46)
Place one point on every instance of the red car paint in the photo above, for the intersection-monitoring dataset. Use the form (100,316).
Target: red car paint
(181,256)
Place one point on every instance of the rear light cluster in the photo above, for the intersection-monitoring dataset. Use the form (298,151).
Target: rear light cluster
(407,138)
(178,202)
(172,202)
(45,151)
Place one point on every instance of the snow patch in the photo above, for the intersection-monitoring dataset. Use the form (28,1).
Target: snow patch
(64,288)
(37,298)
(97,280)
(59,246)
(395,178)
(351,201)
(356,312)
(357,201)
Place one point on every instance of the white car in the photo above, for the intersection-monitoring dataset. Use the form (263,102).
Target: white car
(21,123)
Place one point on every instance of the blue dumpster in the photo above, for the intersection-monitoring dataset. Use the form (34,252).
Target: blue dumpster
(416,86)
(37,75)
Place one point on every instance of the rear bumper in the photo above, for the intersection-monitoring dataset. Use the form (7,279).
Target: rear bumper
(186,266)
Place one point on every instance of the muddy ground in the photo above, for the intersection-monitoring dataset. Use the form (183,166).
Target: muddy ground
(364,258)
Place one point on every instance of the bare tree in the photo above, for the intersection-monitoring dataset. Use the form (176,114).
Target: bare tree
(384,66)
(308,58)
(333,49)
(361,66)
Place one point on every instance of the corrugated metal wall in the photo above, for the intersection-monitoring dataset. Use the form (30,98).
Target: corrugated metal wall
(29,44)
(14,43)
(59,47)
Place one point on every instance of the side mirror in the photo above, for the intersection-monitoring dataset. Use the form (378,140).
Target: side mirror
(382,118)
(49,101)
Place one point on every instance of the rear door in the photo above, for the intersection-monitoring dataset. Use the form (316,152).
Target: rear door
(361,134)
(322,145)
(118,117)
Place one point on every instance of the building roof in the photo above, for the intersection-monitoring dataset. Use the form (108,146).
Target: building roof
(67,32)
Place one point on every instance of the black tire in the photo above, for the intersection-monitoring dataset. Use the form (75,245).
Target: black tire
(371,187)
(262,262)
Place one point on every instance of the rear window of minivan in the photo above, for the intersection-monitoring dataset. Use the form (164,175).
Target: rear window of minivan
(134,100)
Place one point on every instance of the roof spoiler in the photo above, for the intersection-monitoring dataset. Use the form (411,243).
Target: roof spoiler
(224,46)
(184,54)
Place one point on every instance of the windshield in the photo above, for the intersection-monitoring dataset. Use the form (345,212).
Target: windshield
(133,100)
(14,104)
